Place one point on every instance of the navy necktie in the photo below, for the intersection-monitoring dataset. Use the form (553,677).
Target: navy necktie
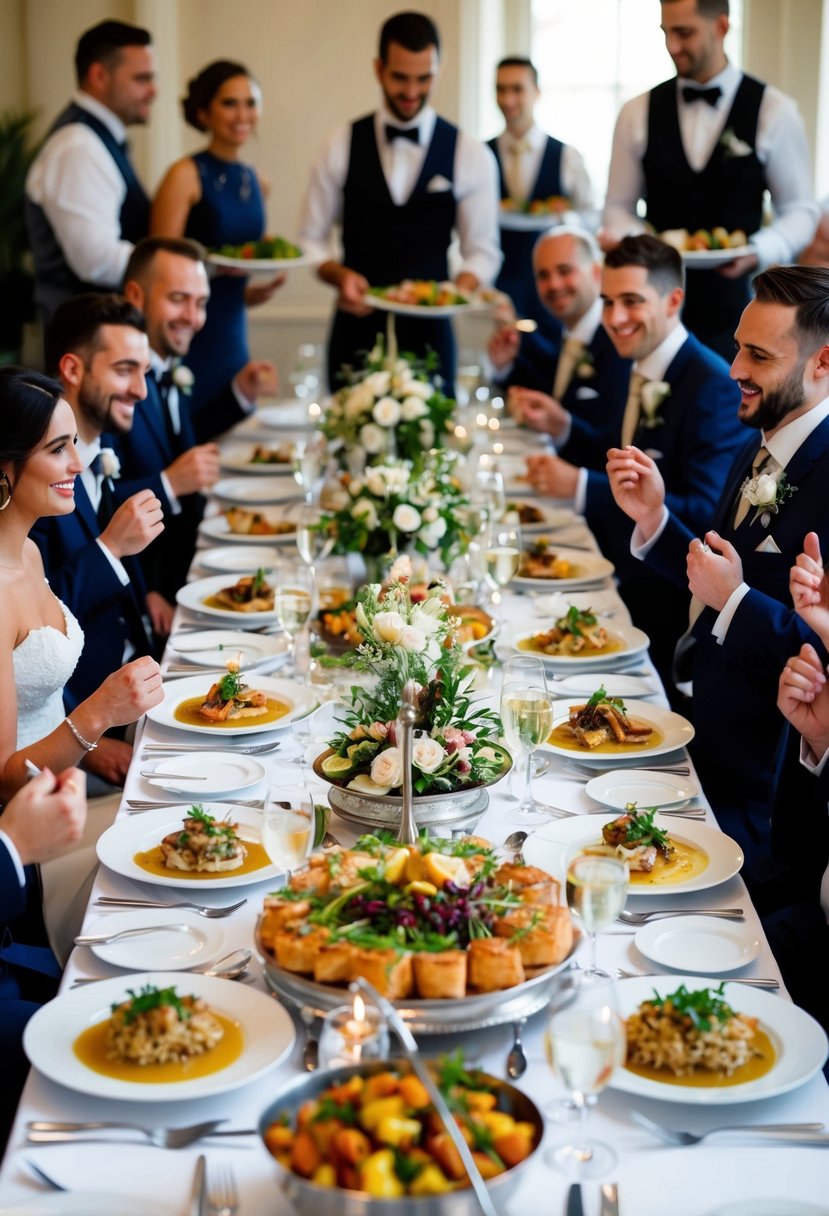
(393,133)
(165,383)
(106,503)
(712,95)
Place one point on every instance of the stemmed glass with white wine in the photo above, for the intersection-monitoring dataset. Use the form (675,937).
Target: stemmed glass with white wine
(309,458)
(488,488)
(502,554)
(288,826)
(597,888)
(527,718)
(292,602)
(585,1041)
(314,539)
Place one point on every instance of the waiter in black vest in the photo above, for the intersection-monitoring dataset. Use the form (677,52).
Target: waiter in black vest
(700,150)
(400,181)
(85,207)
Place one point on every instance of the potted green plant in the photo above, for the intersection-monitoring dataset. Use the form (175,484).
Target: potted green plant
(17,151)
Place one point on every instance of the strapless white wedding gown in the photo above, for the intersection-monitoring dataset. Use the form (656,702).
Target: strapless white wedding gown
(43,662)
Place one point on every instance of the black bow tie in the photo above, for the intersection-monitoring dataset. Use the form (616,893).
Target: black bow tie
(712,95)
(165,381)
(393,133)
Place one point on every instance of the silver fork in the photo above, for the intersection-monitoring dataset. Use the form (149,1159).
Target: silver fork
(41,1132)
(642,918)
(682,770)
(253,749)
(109,901)
(558,812)
(771,984)
(791,1133)
(222,1195)
(136,805)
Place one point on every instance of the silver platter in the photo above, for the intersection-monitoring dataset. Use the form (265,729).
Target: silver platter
(367,814)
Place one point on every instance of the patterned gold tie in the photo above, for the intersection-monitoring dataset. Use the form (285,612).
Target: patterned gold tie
(515,170)
(571,353)
(759,462)
(633,409)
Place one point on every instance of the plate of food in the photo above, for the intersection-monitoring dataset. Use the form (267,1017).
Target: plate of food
(286,415)
(709,1045)
(249,600)
(269,254)
(579,640)
(615,684)
(622,786)
(706,247)
(259,459)
(205,775)
(204,846)
(699,944)
(424,298)
(665,856)
(231,706)
(601,731)
(179,939)
(534,517)
(213,647)
(243,527)
(255,491)
(104,1039)
(547,565)
(536,215)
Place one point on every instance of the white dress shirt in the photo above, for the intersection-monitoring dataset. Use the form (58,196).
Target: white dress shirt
(81,190)
(92,484)
(475,188)
(575,180)
(159,366)
(781,148)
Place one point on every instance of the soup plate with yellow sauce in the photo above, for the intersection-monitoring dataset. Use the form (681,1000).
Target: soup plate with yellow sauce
(286,700)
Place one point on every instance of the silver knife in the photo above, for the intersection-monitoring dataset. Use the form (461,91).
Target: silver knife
(198,1202)
(575,1207)
(610,1199)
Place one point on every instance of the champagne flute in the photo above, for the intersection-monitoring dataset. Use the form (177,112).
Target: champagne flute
(527,717)
(293,598)
(314,540)
(597,888)
(309,465)
(490,486)
(503,556)
(288,832)
(585,1041)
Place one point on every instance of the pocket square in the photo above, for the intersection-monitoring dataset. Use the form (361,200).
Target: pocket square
(437,185)
(654,453)
(586,394)
(769,545)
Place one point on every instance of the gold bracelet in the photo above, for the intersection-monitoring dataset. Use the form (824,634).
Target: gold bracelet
(85,744)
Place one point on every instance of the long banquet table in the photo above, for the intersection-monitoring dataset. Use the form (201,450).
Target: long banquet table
(653,1179)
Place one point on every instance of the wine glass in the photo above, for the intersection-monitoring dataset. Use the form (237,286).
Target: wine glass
(308,464)
(597,888)
(314,539)
(527,717)
(585,1041)
(293,598)
(502,554)
(288,831)
(489,485)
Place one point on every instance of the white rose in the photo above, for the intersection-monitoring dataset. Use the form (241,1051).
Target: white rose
(765,490)
(413,640)
(412,407)
(654,393)
(375,482)
(387,768)
(378,383)
(401,568)
(425,622)
(386,412)
(420,388)
(365,510)
(388,627)
(111,465)
(406,518)
(397,477)
(431,535)
(358,403)
(183,378)
(373,438)
(430,515)
(427,753)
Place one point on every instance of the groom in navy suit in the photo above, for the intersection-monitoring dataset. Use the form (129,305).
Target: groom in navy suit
(744,628)
(681,406)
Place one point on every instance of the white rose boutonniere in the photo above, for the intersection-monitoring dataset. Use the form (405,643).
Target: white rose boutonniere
(183,379)
(767,493)
(732,146)
(586,366)
(654,392)
(111,465)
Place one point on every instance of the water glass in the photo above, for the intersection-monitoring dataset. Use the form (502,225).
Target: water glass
(597,888)
(288,831)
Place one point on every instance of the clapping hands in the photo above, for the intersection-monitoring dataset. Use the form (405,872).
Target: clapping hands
(809,588)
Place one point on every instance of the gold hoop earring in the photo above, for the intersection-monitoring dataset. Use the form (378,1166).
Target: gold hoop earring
(5,491)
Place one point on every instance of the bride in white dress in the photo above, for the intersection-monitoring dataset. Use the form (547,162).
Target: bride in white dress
(40,640)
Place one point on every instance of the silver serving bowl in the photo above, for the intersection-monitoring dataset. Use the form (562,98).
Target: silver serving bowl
(308,1199)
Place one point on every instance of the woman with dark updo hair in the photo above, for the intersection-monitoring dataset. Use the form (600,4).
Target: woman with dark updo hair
(216,199)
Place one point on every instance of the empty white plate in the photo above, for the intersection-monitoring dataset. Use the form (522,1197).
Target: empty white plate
(255,491)
(645,787)
(167,949)
(614,684)
(230,559)
(222,773)
(702,944)
(213,647)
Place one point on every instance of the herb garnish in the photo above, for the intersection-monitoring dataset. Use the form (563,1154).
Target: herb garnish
(150,998)
(600,696)
(642,830)
(573,621)
(230,686)
(702,1007)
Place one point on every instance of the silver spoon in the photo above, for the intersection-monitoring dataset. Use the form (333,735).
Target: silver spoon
(514,844)
(311,1050)
(223,969)
(517,1060)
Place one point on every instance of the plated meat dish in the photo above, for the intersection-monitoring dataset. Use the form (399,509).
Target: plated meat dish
(262,454)
(230,698)
(251,593)
(541,561)
(254,523)
(157,1026)
(605,719)
(204,844)
(576,633)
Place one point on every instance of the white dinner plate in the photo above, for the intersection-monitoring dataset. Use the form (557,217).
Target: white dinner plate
(675,731)
(554,845)
(632,642)
(554,518)
(524,221)
(222,773)
(646,788)
(192,596)
(257,491)
(704,259)
(427,311)
(586,568)
(616,684)
(262,264)
(799,1043)
(236,458)
(216,527)
(200,942)
(86,1203)
(118,845)
(765,1206)
(50,1035)
(230,559)
(300,701)
(698,944)
(286,415)
(213,647)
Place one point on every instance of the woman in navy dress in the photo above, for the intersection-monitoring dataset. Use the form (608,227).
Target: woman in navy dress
(216,199)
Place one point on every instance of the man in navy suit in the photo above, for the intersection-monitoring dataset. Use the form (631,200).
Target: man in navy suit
(775,493)
(98,347)
(579,396)
(681,405)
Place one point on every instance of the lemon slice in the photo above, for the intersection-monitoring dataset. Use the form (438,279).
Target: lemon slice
(336,766)
(363,784)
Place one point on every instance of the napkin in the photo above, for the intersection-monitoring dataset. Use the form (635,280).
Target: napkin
(769,545)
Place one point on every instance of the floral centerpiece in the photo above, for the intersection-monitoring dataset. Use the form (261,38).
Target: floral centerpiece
(455,741)
(389,408)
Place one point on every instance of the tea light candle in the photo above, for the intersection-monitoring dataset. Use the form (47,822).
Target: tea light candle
(314,411)
(353,1033)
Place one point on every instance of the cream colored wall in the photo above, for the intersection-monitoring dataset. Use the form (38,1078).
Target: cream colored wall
(783,45)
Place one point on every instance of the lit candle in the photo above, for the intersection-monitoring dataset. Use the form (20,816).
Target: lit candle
(353,1033)
(494,424)
(497,449)
(314,410)
(481,420)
